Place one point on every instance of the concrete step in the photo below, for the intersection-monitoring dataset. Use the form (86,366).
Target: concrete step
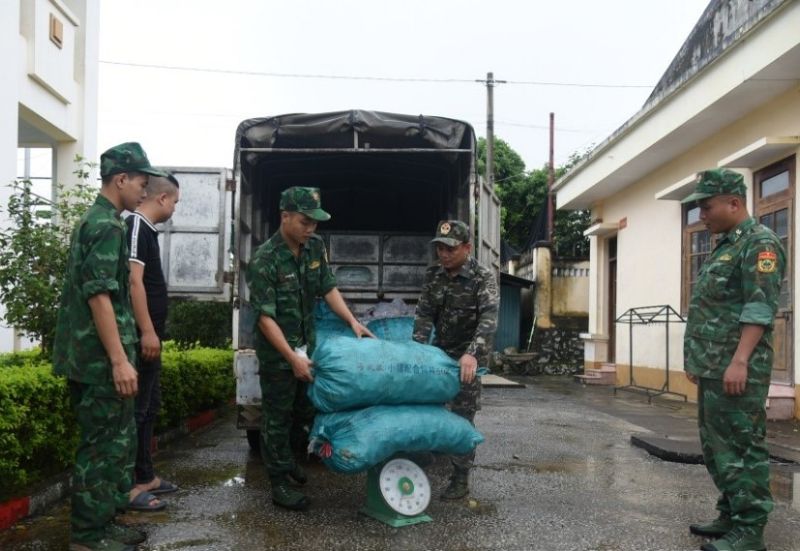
(597,377)
(780,402)
(605,368)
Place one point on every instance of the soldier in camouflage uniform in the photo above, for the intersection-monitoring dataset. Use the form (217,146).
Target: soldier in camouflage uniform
(94,348)
(459,299)
(286,275)
(728,353)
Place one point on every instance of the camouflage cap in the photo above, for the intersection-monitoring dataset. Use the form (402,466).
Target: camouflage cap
(126,157)
(717,181)
(451,233)
(305,200)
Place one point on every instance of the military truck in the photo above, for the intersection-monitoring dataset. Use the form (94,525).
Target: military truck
(385,178)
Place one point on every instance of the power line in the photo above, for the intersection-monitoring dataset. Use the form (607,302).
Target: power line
(286,75)
(578,84)
(542,127)
(364,77)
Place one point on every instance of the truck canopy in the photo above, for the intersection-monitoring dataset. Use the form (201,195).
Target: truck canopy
(386,179)
(377,171)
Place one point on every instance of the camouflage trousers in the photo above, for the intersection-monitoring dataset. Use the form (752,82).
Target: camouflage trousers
(286,418)
(104,459)
(466,403)
(732,434)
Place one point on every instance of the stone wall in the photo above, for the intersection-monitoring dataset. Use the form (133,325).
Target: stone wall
(555,351)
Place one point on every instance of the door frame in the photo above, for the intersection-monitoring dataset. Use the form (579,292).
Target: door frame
(772,203)
(611,296)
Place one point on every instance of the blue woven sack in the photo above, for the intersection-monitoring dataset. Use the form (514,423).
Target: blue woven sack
(353,441)
(351,373)
(327,323)
(393,329)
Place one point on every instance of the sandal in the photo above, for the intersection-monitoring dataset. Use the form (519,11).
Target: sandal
(143,502)
(164,488)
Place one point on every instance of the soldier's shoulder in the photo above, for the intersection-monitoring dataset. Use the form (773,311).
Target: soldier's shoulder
(269,245)
(316,243)
(99,221)
(263,255)
(762,234)
(484,272)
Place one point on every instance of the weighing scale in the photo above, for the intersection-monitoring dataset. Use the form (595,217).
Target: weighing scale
(397,493)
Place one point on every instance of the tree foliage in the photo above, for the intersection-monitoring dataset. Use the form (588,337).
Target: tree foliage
(524,197)
(522,194)
(34,248)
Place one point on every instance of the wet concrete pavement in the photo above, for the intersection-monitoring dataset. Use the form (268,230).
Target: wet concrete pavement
(557,472)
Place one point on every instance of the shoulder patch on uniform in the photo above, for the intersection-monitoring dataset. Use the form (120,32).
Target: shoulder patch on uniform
(767,262)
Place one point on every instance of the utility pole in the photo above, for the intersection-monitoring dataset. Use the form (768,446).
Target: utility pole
(551,178)
(490,83)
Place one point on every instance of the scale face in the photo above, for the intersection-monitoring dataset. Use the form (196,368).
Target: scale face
(405,487)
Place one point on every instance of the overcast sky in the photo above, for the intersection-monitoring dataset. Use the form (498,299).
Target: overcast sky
(189,118)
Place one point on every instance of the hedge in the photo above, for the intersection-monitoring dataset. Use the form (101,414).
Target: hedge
(192,381)
(37,429)
(199,323)
(28,357)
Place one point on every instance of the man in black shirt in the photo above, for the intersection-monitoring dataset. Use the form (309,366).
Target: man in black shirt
(149,300)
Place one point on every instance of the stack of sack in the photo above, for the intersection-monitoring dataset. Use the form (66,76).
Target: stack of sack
(379,397)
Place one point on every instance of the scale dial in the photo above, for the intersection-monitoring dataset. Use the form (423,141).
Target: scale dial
(404,487)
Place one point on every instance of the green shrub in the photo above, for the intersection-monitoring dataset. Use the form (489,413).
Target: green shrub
(37,429)
(198,323)
(27,357)
(194,380)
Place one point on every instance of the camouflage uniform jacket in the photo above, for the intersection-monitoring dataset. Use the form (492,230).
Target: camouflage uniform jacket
(738,284)
(463,309)
(98,263)
(285,289)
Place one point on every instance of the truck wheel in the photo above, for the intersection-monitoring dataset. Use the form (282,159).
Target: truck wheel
(254,439)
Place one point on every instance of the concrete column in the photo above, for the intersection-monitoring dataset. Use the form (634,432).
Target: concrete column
(85,107)
(544,287)
(9,103)
(595,349)
(9,112)
(595,277)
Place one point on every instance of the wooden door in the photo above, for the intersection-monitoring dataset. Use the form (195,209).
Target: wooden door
(612,300)
(774,207)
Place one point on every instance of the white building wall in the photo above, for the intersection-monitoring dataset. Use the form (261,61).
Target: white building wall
(9,44)
(649,247)
(49,98)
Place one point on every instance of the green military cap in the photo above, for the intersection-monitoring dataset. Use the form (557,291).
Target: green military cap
(717,181)
(451,233)
(305,200)
(126,157)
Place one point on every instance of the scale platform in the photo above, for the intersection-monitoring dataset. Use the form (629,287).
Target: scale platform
(398,492)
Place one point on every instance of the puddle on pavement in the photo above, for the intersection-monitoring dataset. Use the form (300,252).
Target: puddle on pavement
(604,547)
(784,483)
(564,466)
(42,532)
(202,477)
(235,481)
(558,424)
(481,508)
(184,544)
(269,530)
